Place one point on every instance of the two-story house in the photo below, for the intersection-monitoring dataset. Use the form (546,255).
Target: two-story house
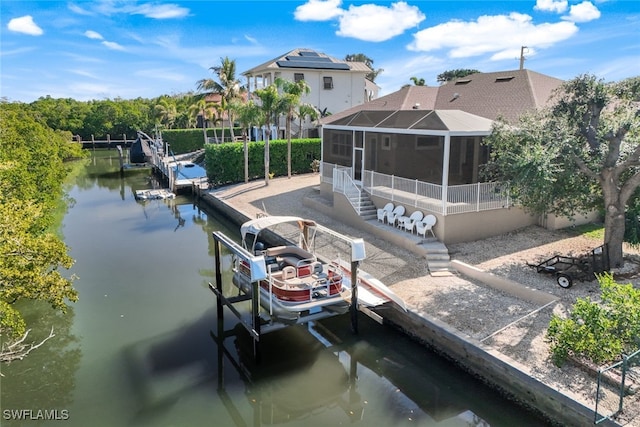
(335,85)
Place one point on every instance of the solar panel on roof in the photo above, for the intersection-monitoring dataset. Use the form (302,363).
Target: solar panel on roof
(308,53)
(313,64)
(308,58)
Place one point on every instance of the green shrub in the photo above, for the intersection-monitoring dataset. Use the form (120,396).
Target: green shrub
(598,331)
(188,140)
(225,162)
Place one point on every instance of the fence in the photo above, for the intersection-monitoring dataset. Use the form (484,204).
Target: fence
(616,383)
(445,200)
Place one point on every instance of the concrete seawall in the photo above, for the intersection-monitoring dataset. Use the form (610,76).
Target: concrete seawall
(499,371)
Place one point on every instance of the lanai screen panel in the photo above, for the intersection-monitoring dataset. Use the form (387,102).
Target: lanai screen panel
(404,119)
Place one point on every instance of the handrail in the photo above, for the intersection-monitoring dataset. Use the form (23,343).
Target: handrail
(342,183)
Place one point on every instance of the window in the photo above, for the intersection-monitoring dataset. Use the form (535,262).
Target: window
(430,142)
(297,77)
(386,142)
(328,82)
(341,145)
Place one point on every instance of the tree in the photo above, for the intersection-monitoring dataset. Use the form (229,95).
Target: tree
(249,114)
(290,100)
(306,110)
(599,331)
(199,108)
(165,112)
(228,87)
(32,170)
(416,81)
(361,57)
(449,75)
(270,105)
(580,154)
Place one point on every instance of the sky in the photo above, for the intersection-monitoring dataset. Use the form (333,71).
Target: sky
(92,50)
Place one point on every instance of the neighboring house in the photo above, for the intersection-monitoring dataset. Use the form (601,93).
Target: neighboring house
(422,147)
(335,84)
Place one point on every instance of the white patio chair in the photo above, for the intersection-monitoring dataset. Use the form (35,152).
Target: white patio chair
(384,212)
(395,214)
(425,225)
(409,223)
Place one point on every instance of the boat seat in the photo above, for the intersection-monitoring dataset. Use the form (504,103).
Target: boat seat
(288,272)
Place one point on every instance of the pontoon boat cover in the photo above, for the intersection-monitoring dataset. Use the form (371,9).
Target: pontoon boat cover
(255,226)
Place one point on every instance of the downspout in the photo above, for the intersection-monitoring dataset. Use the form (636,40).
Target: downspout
(445,171)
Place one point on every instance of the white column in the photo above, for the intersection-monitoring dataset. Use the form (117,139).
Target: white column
(445,171)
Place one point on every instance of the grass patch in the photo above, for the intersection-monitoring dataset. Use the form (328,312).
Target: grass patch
(592,230)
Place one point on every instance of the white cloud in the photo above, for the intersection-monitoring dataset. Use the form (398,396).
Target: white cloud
(318,10)
(250,39)
(113,45)
(25,25)
(558,6)
(93,35)
(375,23)
(501,35)
(162,11)
(583,12)
(77,9)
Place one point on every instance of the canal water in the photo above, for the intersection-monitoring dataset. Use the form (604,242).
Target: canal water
(142,346)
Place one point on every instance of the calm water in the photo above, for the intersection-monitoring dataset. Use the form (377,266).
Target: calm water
(139,347)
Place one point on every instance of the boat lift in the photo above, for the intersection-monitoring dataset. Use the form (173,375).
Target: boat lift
(256,325)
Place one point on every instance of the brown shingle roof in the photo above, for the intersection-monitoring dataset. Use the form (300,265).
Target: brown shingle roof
(507,93)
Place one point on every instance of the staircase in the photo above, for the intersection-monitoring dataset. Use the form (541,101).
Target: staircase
(363,205)
(437,256)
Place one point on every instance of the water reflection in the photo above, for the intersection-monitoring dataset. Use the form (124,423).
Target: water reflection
(47,375)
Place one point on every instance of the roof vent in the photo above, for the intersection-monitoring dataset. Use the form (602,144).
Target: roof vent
(504,79)
(455,96)
(416,106)
(462,81)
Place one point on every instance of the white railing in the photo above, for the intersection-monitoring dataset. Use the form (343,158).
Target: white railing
(342,183)
(453,199)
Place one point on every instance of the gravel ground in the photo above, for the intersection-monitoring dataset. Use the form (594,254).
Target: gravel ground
(507,324)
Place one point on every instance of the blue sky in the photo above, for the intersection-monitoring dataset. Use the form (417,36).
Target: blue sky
(127,49)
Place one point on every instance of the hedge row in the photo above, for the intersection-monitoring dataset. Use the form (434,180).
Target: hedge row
(188,140)
(225,162)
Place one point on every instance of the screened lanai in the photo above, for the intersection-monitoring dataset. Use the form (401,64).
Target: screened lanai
(442,147)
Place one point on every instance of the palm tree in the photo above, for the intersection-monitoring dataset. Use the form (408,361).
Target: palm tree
(165,112)
(292,92)
(361,57)
(198,109)
(306,110)
(249,114)
(270,106)
(228,87)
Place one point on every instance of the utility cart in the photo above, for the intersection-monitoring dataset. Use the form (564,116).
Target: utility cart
(567,269)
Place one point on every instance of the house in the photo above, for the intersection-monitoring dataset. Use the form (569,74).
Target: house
(335,85)
(422,147)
